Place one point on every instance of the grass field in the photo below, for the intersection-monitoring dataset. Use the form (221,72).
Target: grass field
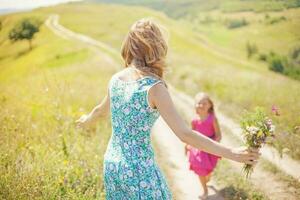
(44,90)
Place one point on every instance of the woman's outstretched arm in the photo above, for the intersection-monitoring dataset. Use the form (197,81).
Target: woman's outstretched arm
(101,110)
(160,98)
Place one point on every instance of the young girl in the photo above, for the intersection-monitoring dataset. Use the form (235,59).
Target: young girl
(206,123)
(136,97)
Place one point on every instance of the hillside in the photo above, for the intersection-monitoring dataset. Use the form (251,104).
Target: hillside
(197,63)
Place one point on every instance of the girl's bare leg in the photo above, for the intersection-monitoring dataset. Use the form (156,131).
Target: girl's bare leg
(204,186)
(208,178)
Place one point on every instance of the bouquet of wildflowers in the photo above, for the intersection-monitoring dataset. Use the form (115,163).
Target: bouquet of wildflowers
(257,128)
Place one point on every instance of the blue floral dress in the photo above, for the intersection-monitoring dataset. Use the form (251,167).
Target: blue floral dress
(130,170)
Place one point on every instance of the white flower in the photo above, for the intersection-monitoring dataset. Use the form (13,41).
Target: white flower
(129,173)
(150,162)
(152,182)
(252,129)
(111,167)
(133,132)
(137,105)
(143,184)
(132,188)
(272,128)
(158,193)
(113,188)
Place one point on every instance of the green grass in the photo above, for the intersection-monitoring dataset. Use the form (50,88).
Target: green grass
(48,51)
(43,91)
(68,58)
(182,8)
(234,186)
(279,37)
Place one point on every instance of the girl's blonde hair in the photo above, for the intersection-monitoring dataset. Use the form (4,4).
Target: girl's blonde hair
(145,48)
(202,95)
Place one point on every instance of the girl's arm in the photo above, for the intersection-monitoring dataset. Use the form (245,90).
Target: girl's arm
(187,147)
(101,110)
(159,97)
(217,129)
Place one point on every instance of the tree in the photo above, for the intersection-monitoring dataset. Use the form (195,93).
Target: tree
(25,30)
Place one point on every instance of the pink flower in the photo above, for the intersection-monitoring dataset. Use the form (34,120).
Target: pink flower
(275,110)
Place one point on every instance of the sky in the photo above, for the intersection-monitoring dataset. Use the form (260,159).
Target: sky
(28,4)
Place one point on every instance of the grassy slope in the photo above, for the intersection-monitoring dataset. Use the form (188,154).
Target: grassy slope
(178,8)
(280,37)
(238,85)
(42,155)
(210,17)
(42,92)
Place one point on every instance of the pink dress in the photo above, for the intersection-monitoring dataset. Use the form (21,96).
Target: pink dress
(203,163)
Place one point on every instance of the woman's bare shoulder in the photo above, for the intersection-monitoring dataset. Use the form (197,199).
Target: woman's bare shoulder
(159,89)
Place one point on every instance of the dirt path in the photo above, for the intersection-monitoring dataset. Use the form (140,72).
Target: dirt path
(186,184)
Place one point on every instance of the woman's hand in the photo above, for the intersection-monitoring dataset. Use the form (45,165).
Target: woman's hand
(98,111)
(83,122)
(244,155)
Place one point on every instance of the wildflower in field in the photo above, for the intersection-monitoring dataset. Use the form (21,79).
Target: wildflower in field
(275,110)
(257,128)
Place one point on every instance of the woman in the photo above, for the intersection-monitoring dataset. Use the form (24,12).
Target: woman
(136,97)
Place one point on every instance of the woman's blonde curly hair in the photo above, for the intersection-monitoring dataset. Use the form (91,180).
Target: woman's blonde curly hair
(146,48)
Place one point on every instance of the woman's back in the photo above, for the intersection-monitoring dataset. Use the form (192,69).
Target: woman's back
(132,118)
(130,171)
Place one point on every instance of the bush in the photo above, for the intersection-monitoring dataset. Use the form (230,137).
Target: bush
(287,65)
(267,16)
(292,68)
(275,20)
(262,57)
(276,64)
(237,23)
(293,71)
(251,49)
(295,54)
(207,20)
